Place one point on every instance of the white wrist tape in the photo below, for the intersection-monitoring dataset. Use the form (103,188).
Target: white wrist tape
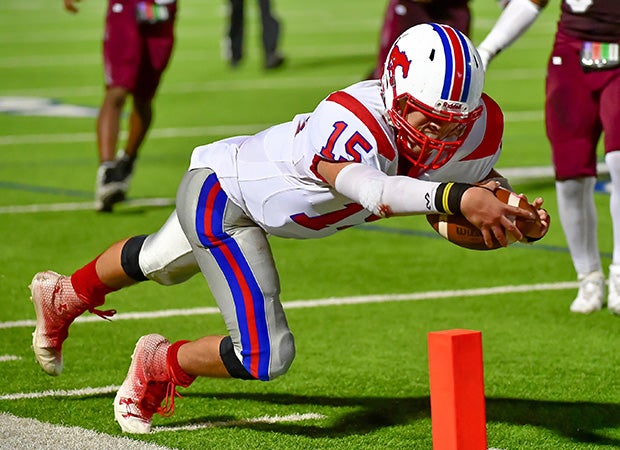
(512,23)
(385,195)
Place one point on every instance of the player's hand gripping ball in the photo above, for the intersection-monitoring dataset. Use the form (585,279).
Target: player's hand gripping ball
(458,230)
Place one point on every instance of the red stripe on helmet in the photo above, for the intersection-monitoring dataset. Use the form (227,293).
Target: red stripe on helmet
(458,75)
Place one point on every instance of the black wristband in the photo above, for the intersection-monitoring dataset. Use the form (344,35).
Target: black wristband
(448,197)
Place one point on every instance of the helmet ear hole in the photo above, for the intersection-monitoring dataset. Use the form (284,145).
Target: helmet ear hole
(432,55)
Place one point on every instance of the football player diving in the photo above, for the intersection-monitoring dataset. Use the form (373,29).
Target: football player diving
(424,139)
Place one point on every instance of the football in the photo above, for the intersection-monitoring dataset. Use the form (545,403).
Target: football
(458,230)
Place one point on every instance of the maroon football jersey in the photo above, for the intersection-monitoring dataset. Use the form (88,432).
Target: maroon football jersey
(402,14)
(591,20)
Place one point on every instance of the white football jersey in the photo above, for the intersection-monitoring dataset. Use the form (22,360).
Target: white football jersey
(272,175)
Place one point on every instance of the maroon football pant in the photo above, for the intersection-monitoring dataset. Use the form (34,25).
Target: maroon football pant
(135,55)
(579,106)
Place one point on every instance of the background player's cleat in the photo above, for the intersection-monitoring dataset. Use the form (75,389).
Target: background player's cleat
(113,182)
(147,384)
(613,296)
(56,305)
(590,295)
(124,168)
(108,191)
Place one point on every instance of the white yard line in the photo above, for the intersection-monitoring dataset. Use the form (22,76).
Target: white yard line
(236,423)
(193,88)
(323,302)
(61,393)
(80,206)
(25,434)
(160,133)
(532,173)
(170,133)
(31,434)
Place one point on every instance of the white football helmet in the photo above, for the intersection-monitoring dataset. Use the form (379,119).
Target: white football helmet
(434,69)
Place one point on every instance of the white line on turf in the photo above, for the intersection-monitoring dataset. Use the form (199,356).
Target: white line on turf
(236,423)
(30,434)
(266,83)
(80,206)
(216,130)
(157,133)
(61,393)
(4,358)
(112,389)
(332,301)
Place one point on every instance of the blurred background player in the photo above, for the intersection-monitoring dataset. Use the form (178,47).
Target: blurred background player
(372,150)
(582,97)
(137,46)
(270,34)
(403,14)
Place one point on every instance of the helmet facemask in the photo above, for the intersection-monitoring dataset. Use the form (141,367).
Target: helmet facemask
(423,151)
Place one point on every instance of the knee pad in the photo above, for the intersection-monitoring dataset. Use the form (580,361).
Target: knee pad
(129,257)
(280,362)
(231,362)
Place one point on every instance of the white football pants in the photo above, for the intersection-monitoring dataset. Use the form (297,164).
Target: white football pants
(211,234)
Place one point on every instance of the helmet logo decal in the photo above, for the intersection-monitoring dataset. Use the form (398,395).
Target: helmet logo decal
(458,64)
(397,59)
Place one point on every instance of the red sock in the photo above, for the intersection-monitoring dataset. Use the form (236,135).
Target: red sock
(88,286)
(179,376)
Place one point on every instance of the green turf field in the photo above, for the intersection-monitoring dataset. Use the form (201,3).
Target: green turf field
(360,379)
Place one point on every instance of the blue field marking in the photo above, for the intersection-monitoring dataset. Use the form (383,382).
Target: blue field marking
(22,187)
(166,202)
(433,235)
